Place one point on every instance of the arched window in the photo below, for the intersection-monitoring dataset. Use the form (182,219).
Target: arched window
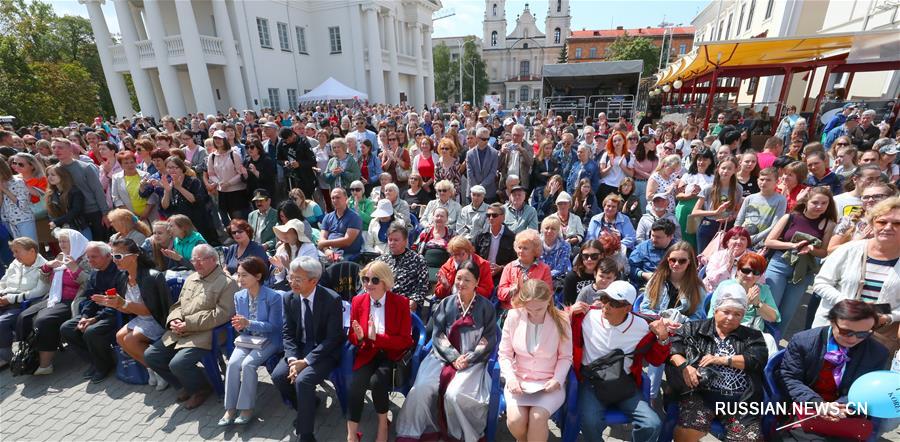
(494,38)
(557,33)
(495,9)
(558,6)
(525,46)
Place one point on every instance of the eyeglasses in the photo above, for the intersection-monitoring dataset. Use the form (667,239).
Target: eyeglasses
(590,256)
(484,139)
(392,139)
(748,270)
(374,280)
(355,189)
(16,163)
(877,197)
(613,303)
(121,256)
(420,134)
(882,224)
(235,231)
(494,215)
(679,261)
(841,144)
(443,190)
(633,138)
(852,333)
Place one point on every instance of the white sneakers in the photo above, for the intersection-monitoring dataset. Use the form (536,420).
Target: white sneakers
(44,370)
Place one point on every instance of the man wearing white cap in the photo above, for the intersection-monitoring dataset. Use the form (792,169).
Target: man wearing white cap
(657,209)
(572,227)
(472,217)
(607,327)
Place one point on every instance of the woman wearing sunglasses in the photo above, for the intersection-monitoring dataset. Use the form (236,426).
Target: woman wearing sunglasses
(822,363)
(582,274)
(761,305)
(244,247)
(146,300)
(381,330)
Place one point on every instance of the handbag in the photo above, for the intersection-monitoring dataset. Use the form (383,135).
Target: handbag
(715,243)
(851,428)
(609,379)
(25,361)
(403,174)
(693,223)
(128,370)
(402,369)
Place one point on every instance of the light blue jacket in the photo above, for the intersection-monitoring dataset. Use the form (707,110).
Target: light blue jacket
(269,313)
(622,224)
(683,304)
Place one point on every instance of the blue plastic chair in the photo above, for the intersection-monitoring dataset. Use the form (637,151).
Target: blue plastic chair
(572,425)
(636,307)
(213,363)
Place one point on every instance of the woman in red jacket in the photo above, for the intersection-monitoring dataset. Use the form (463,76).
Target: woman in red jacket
(381,329)
(461,250)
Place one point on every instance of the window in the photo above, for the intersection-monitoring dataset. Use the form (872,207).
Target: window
(558,5)
(593,53)
(682,48)
(495,9)
(523,93)
(512,96)
(577,53)
(769,8)
(750,14)
(283,37)
(494,38)
(262,25)
(301,39)
(334,35)
(721,28)
(454,57)
(274,103)
(524,68)
(740,20)
(525,46)
(728,28)
(292,98)
(557,34)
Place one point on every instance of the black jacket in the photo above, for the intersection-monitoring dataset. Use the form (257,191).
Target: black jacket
(505,254)
(804,357)
(328,323)
(74,216)
(698,338)
(540,173)
(267,175)
(300,151)
(98,284)
(155,294)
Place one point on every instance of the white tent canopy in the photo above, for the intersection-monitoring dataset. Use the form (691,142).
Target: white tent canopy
(332,89)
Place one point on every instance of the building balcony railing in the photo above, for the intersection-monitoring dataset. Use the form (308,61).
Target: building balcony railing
(213,49)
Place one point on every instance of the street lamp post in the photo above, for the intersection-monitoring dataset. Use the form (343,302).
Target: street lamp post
(459,61)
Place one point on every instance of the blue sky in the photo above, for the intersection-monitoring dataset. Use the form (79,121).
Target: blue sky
(589,14)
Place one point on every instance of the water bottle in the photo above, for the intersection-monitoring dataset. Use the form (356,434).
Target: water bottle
(895,364)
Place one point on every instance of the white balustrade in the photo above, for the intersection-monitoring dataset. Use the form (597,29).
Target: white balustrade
(118,55)
(174,46)
(212,45)
(145,49)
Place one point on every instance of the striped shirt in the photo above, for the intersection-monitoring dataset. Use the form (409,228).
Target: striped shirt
(877,272)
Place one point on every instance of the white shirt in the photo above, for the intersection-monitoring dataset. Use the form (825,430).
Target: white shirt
(600,337)
(376,314)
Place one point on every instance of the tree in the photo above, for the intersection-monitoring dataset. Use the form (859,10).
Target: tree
(444,78)
(628,47)
(563,55)
(471,57)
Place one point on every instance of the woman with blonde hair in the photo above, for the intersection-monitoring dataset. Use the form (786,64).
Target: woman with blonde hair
(160,239)
(447,166)
(535,355)
(664,180)
(127,225)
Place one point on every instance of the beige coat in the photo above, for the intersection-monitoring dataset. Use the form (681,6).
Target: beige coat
(204,304)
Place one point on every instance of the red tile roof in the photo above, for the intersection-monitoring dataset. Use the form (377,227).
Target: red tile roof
(613,33)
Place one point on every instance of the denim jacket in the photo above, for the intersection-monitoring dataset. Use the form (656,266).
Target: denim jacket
(683,305)
(269,313)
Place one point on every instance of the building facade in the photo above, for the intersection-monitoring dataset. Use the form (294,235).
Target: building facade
(514,61)
(208,55)
(593,45)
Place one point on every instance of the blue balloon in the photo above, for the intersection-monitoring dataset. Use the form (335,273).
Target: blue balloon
(879,391)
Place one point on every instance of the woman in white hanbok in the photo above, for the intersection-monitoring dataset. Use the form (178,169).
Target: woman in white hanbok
(453,386)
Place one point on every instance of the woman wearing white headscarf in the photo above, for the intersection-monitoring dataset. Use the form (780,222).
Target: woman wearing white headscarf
(68,275)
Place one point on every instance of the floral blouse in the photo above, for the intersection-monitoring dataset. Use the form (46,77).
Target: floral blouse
(19,212)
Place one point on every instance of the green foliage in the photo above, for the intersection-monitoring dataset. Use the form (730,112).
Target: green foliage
(471,57)
(628,47)
(563,55)
(50,70)
(444,78)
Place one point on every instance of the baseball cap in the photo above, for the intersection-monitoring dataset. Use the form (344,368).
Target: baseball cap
(564,197)
(479,189)
(220,134)
(660,196)
(271,125)
(849,106)
(620,291)
(508,121)
(261,194)
(310,125)
(517,188)
(852,117)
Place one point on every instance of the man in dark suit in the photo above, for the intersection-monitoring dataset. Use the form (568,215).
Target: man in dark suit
(313,339)
(298,159)
(483,161)
(496,243)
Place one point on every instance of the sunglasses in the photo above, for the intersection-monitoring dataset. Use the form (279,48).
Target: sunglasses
(748,270)
(16,163)
(851,333)
(591,256)
(878,197)
(493,215)
(841,144)
(443,190)
(633,138)
(679,261)
(613,303)
(392,139)
(235,232)
(420,134)
(356,189)
(121,256)
(374,280)
(484,139)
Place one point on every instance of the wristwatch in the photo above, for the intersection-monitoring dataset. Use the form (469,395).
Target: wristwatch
(663,341)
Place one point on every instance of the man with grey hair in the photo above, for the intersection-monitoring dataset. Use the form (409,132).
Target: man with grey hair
(313,338)
(91,332)
(865,135)
(206,302)
(482,164)
(516,158)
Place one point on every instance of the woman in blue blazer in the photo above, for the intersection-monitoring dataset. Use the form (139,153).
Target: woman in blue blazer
(258,315)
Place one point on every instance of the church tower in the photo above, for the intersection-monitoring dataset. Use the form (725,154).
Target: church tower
(495,24)
(557,23)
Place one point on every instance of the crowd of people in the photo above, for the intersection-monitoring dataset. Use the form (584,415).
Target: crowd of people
(660,253)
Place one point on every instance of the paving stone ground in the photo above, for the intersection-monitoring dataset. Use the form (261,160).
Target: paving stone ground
(64,407)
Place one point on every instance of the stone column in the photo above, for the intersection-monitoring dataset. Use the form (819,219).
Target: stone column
(429,66)
(139,76)
(376,69)
(233,79)
(116,84)
(393,90)
(168,78)
(419,99)
(196,61)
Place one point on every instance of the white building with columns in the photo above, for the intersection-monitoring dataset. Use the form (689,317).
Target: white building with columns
(208,55)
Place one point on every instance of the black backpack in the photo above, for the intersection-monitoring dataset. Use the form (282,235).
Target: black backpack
(25,361)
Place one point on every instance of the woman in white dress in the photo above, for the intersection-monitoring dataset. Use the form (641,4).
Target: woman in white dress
(452,389)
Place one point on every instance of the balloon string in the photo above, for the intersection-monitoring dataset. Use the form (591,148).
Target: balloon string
(795,423)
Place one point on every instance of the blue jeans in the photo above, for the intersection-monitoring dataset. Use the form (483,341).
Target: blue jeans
(178,367)
(27,229)
(786,294)
(592,413)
